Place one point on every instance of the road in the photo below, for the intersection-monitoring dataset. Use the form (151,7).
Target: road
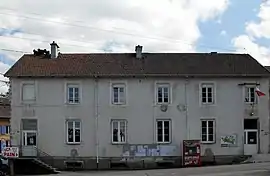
(260,169)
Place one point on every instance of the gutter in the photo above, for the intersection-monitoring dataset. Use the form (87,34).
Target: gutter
(96,105)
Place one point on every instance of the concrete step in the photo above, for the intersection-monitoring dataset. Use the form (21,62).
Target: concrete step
(258,158)
(45,165)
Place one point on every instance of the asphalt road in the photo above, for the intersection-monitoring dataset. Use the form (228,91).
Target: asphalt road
(261,169)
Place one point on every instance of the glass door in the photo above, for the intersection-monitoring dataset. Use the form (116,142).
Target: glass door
(29,138)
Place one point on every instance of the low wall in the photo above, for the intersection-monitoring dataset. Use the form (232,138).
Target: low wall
(90,163)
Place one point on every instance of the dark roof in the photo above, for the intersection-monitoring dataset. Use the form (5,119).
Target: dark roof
(126,64)
(267,67)
(5,109)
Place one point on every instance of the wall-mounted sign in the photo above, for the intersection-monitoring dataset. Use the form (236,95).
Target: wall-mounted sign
(10,152)
(228,140)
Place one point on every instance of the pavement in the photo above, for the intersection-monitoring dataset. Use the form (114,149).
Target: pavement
(254,169)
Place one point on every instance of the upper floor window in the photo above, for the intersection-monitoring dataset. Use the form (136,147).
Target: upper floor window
(163,93)
(28,92)
(250,95)
(118,94)
(119,131)
(207,93)
(5,129)
(73,93)
(73,131)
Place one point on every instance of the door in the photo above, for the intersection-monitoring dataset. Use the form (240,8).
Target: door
(29,140)
(250,142)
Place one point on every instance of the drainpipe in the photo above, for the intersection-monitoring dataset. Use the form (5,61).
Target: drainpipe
(186,110)
(96,120)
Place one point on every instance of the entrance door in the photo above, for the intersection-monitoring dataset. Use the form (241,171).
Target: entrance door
(29,143)
(29,138)
(250,142)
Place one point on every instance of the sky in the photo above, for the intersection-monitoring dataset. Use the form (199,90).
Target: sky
(87,26)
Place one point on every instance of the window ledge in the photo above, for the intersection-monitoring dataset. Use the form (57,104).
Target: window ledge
(160,104)
(208,142)
(73,104)
(74,143)
(119,143)
(28,101)
(208,104)
(163,143)
(119,105)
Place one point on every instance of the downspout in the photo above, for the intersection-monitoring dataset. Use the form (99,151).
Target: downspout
(186,111)
(96,104)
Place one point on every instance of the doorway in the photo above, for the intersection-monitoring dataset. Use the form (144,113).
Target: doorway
(250,136)
(29,138)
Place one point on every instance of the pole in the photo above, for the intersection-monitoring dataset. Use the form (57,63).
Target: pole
(11,166)
(96,118)
(186,110)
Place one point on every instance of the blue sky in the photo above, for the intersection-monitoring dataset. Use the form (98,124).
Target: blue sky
(233,22)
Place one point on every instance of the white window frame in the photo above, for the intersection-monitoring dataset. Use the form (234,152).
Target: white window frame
(248,97)
(24,137)
(207,131)
(163,85)
(163,135)
(207,85)
(74,128)
(119,85)
(22,91)
(73,85)
(118,121)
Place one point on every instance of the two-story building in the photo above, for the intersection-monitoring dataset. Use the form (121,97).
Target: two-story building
(107,107)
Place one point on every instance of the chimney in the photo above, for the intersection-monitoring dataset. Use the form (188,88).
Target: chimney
(138,50)
(54,50)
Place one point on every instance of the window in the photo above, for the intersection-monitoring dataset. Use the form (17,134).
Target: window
(250,96)
(207,94)
(73,93)
(73,131)
(118,94)
(29,138)
(28,92)
(208,133)
(163,131)
(163,93)
(29,127)
(119,131)
(5,129)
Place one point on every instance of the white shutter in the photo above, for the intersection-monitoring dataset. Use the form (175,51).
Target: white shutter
(28,92)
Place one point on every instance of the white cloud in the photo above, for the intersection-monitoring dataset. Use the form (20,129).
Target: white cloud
(255,31)
(223,33)
(158,25)
(245,44)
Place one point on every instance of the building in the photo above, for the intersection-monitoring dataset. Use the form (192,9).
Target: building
(4,122)
(101,109)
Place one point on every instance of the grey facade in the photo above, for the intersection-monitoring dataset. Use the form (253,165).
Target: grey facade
(140,111)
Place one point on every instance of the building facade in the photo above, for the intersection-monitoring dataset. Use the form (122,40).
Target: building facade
(130,110)
(5,113)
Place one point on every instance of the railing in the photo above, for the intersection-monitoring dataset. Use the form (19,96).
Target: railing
(45,157)
(34,152)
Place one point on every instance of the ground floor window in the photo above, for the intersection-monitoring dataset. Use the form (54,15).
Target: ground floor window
(163,131)
(119,130)
(73,131)
(208,131)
